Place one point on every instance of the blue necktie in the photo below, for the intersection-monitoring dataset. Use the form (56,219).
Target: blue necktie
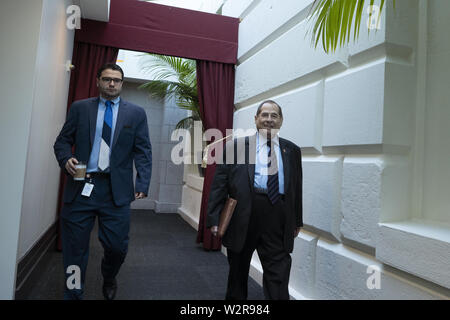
(272,180)
(105,145)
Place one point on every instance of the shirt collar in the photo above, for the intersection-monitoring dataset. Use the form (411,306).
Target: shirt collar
(262,140)
(115,101)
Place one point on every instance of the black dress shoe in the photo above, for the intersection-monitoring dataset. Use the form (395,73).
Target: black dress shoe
(109,290)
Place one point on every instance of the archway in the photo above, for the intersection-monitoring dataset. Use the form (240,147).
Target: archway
(141,26)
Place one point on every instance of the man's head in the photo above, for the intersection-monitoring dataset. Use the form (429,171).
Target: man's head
(109,81)
(269,118)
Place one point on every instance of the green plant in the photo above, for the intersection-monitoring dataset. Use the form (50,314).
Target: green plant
(174,78)
(334,21)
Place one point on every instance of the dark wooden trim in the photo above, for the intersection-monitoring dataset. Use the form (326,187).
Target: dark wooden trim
(32,258)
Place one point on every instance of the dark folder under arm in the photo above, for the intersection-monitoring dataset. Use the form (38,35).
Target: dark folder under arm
(225,216)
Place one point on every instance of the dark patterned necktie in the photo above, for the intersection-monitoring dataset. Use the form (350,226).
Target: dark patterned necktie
(272,178)
(105,144)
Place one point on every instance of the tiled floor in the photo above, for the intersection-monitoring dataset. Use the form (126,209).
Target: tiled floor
(163,263)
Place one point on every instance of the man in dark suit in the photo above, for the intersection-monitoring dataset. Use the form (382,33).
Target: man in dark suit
(107,134)
(267,183)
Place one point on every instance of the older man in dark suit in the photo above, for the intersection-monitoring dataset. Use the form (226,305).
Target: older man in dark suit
(107,134)
(267,185)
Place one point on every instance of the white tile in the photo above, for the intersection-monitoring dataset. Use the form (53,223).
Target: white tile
(361,199)
(356,117)
(416,248)
(170,193)
(345,273)
(267,17)
(174,173)
(322,178)
(287,58)
(302,278)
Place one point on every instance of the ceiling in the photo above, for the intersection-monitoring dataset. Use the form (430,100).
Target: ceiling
(94,9)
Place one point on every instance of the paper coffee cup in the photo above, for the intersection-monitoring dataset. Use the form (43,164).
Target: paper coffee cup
(80,171)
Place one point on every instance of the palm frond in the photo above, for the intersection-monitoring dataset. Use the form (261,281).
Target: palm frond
(166,67)
(335,20)
(186,123)
(160,89)
(174,78)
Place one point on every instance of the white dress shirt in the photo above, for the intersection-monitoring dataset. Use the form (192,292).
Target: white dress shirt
(261,162)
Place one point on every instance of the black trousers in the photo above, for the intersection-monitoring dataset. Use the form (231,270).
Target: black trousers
(265,235)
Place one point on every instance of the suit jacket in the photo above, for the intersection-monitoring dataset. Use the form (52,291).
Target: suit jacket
(130,142)
(237,181)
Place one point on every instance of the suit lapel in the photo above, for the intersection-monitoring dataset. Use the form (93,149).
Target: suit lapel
(250,142)
(285,155)
(250,149)
(121,116)
(93,110)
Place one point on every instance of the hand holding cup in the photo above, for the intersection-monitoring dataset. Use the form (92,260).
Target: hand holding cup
(70,166)
(77,169)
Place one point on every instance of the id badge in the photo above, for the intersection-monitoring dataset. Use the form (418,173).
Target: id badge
(87,190)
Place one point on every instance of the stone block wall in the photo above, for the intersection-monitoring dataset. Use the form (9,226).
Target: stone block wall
(167,178)
(359,117)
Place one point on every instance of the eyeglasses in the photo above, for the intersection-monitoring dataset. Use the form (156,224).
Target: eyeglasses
(273,115)
(108,80)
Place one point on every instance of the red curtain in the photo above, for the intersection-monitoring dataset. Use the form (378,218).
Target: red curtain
(149,27)
(87,59)
(215,84)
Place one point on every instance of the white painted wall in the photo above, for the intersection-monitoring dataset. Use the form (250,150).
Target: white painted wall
(16,90)
(359,117)
(437,129)
(424,236)
(34,95)
(35,47)
(49,105)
